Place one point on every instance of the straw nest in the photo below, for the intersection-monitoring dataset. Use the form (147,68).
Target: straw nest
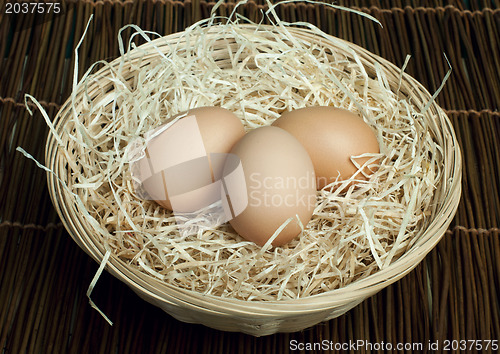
(355,244)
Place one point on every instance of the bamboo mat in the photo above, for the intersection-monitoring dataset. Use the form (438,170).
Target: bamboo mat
(452,295)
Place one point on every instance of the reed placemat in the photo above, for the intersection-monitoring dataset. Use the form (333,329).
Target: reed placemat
(452,295)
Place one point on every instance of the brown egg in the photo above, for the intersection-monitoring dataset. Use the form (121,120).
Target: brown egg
(220,128)
(181,165)
(331,136)
(280,184)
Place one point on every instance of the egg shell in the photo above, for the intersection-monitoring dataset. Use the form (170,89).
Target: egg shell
(220,128)
(188,148)
(331,136)
(280,184)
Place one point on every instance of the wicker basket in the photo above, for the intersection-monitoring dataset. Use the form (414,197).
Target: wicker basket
(263,318)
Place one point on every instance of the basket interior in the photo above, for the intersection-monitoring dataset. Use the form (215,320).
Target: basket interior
(98,236)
